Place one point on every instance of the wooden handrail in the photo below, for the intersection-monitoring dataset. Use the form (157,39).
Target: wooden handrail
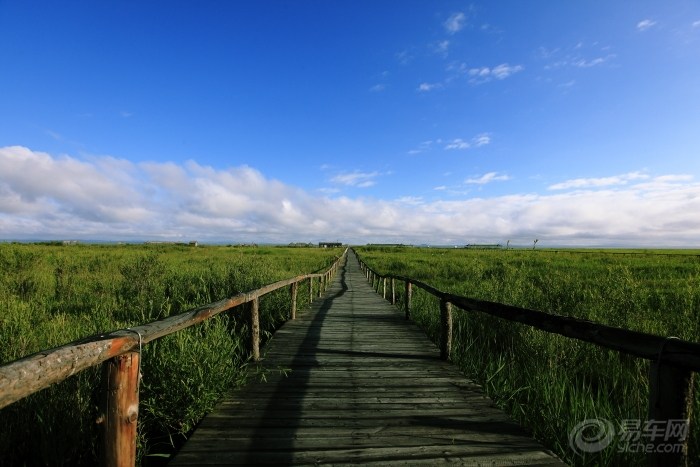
(676,352)
(673,360)
(23,377)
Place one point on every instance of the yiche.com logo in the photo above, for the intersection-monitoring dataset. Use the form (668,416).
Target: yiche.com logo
(591,435)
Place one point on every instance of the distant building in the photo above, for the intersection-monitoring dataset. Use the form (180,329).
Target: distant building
(329,244)
(194,243)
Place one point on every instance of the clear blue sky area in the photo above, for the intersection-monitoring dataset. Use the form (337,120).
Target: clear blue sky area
(577,123)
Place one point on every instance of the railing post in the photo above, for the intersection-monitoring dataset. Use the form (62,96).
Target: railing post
(384,291)
(445,329)
(320,286)
(670,402)
(120,409)
(254,317)
(407,303)
(293,312)
(311,290)
(393,291)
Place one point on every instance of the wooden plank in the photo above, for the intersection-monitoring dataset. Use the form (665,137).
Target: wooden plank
(351,381)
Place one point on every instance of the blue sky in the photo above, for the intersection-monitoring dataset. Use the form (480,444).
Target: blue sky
(364,121)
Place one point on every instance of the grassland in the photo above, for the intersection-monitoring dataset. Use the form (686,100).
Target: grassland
(52,294)
(548,382)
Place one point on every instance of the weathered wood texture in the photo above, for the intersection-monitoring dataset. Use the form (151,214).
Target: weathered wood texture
(120,410)
(351,381)
(25,376)
(677,352)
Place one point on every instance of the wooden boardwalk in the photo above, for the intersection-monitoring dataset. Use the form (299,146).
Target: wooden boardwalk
(351,381)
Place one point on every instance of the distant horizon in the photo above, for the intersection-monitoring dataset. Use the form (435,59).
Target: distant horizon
(396,122)
(519,246)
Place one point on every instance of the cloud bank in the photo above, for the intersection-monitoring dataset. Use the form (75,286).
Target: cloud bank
(43,196)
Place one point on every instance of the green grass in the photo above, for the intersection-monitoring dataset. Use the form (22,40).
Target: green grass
(548,382)
(51,295)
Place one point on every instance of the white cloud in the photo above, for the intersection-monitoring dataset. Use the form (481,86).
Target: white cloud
(696,24)
(485,74)
(581,55)
(98,191)
(442,47)
(426,87)
(583,63)
(410,200)
(43,196)
(423,147)
(645,24)
(329,191)
(404,57)
(377,88)
(568,84)
(599,182)
(673,178)
(356,178)
(455,23)
(54,135)
(487,178)
(504,70)
(458,143)
(479,140)
(485,71)
(125,114)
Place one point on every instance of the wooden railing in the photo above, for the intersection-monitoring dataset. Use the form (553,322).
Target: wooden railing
(673,361)
(119,354)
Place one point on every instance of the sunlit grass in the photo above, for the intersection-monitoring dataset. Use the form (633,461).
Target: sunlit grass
(51,295)
(548,382)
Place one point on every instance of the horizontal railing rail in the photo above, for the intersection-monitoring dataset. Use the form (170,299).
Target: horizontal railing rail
(673,360)
(119,353)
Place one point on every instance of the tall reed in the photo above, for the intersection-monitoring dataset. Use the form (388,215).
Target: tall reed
(53,294)
(547,382)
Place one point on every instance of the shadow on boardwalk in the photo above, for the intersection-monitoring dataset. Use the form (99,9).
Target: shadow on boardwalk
(350,381)
(280,399)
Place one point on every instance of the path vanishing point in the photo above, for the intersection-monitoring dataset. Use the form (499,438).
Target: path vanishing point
(351,381)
